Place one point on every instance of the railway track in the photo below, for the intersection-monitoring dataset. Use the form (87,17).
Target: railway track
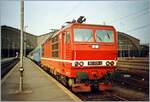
(133,73)
(100,96)
(134,83)
(7,65)
(117,93)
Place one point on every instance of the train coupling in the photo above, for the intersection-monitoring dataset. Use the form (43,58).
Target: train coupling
(81,87)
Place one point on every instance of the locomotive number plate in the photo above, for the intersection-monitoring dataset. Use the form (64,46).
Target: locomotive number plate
(95,63)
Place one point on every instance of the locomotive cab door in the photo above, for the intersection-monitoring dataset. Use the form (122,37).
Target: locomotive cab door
(66,46)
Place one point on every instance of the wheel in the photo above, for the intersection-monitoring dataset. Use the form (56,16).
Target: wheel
(63,80)
(50,71)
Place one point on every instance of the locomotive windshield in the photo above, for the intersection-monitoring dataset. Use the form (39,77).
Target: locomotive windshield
(86,35)
(104,36)
(83,35)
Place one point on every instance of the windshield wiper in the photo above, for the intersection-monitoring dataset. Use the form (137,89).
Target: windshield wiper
(107,35)
(99,38)
(89,38)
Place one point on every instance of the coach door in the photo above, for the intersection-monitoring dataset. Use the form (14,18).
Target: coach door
(67,46)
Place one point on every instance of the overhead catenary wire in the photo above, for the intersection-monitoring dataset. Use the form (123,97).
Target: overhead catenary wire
(68,14)
(136,17)
(136,14)
(138,28)
(129,15)
(74,7)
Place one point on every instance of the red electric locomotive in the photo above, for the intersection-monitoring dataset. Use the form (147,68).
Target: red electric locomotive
(82,56)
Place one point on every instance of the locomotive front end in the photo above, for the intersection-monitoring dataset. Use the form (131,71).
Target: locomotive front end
(94,56)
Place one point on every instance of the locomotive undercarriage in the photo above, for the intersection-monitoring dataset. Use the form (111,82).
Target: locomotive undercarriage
(82,83)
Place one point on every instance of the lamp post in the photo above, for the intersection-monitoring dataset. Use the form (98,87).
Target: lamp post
(25,40)
(21,69)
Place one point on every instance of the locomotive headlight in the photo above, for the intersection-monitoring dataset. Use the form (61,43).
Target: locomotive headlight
(93,46)
(112,63)
(96,46)
(76,64)
(107,63)
(81,63)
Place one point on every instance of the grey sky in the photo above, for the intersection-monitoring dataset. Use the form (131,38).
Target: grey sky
(131,17)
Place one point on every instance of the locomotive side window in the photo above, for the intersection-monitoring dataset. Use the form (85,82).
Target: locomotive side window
(85,35)
(55,52)
(67,37)
(104,36)
(55,39)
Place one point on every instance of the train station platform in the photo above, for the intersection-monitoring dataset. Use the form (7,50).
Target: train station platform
(37,85)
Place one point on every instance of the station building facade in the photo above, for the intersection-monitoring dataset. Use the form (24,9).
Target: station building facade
(128,46)
(10,41)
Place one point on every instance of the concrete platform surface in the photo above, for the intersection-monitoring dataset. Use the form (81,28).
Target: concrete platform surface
(37,86)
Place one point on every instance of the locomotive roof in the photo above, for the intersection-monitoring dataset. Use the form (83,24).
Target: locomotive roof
(72,24)
(93,25)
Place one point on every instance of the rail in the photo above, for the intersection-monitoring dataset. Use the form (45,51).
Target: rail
(7,64)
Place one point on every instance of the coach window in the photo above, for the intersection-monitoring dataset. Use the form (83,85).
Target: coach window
(67,37)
